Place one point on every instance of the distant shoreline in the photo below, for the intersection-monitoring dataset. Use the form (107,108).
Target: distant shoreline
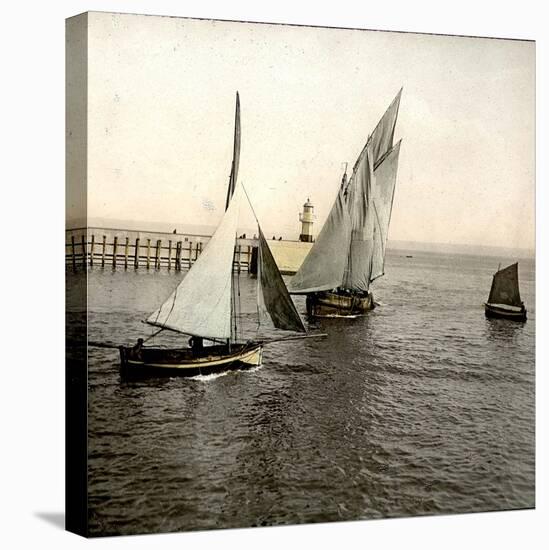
(455,248)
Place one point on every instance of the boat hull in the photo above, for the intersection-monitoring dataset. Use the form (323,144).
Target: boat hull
(332,304)
(495,312)
(185,362)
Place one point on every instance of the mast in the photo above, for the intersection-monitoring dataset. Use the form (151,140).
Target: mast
(235,308)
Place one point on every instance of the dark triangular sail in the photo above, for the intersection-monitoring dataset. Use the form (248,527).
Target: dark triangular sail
(276,300)
(505,287)
(236,153)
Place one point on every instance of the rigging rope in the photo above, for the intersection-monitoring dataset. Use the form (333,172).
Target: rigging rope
(153,335)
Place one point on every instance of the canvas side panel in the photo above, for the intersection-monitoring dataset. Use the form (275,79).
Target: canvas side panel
(76,100)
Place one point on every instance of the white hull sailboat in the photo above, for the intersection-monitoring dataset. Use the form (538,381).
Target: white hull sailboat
(205,305)
(186,362)
(349,253)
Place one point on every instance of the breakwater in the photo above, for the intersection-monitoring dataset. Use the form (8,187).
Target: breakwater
(129,249)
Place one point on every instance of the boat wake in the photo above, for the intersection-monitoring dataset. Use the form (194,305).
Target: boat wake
(336,316)
(213,376)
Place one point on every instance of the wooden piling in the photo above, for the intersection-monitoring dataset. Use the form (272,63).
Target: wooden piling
(114,249)
(126,252)
(136,255)
(103,253)
(157,257)
(73,254)
(178,256)
(91,250)
(84,252)
(253,261)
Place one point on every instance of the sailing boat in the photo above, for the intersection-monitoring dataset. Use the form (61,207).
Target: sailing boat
(205,304)
(349,252)
(504,299)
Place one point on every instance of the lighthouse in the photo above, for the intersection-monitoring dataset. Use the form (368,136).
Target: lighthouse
(306,219)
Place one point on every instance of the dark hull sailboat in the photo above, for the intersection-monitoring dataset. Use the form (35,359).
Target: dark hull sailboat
(339,304)
(349,253)
(205,305)
(501,311)
(504,300)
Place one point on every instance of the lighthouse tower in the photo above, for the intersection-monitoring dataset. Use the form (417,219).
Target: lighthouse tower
(306,219)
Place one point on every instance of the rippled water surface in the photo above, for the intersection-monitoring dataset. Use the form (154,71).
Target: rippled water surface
(421,407)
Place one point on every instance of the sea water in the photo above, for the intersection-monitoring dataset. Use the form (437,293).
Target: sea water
(422,406)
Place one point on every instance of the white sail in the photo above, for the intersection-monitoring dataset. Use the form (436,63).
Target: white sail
(369,199)
(381,140)
(359,262)
(201,304)
(383,193)
(325,264)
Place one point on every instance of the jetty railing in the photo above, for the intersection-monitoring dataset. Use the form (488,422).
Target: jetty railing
(119,249)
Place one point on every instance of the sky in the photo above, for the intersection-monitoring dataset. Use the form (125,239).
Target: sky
(161,100)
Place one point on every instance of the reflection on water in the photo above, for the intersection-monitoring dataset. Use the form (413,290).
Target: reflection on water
(423,406)
(501,330)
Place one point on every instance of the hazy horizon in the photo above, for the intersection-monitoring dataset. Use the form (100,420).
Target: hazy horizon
(392,244)
(160,130)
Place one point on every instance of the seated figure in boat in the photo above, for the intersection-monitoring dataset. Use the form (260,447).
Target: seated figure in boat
(196,344)
(138,346)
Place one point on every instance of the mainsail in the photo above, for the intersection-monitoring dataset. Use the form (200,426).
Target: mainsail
(505,287)
(359,262)
(325,263)
(381,140)
(201,304)
(382,202)
(350,250)
(236,153)
(204,304)
(370,194)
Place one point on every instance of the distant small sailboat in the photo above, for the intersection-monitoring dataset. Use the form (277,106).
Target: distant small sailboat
(205,305)
(504,299)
